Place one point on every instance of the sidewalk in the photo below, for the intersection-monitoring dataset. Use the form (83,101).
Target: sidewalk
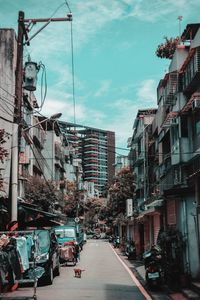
(137,267)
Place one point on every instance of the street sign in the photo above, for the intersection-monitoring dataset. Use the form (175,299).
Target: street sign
(76,219)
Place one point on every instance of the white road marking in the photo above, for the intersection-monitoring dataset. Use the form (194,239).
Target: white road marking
(135,280)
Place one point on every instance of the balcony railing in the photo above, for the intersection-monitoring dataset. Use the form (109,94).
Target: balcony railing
(39,136)
(191,74)
(175,177)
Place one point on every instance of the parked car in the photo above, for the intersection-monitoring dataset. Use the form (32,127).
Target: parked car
(47,255)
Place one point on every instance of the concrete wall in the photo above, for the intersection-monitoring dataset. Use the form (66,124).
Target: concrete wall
(178,58)
(196,41)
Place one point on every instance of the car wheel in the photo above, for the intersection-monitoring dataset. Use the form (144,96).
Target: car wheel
(49,277)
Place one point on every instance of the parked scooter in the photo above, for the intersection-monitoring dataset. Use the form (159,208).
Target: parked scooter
(153,267)
(131,250)
(116,242)
(111,239)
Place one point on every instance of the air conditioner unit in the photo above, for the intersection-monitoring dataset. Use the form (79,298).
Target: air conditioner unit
(196,104)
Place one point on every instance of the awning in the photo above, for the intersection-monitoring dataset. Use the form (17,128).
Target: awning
(156,203)
(149,211)
(42,222)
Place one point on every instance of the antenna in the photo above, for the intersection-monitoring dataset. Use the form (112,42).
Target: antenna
(179,18)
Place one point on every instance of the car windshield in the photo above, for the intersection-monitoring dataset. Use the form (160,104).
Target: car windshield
(65,233)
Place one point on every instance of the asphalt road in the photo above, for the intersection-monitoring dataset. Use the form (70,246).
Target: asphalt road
(104,278)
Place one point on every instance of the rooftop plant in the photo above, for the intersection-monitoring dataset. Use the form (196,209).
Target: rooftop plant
(167,49)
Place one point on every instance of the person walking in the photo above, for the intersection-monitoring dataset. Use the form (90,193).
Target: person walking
(77,251)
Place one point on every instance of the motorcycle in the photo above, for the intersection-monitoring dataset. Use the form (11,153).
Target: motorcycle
(131,250)
(116,242)
(153,267)
(111,238)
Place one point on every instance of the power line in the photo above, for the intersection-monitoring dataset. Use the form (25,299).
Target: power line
(3,109)
(6,119)
(7,101)
(72,64)
(73,81)
(68,6)
(7,92)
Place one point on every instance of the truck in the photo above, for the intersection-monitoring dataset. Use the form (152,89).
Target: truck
(72,232)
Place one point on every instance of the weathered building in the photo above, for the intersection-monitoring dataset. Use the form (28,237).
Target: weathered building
(167,170)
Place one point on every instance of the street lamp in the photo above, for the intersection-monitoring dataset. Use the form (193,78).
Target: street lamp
(15,162)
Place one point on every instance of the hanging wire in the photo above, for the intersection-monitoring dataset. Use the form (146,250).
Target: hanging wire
(72,65)
(43,94)
(73,81)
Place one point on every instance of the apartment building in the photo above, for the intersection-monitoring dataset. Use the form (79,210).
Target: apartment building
(139,144)
(165,157)
(96,149)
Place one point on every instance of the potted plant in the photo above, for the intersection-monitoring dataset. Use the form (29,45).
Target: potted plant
(167,49)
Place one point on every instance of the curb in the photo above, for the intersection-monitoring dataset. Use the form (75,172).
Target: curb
(166,291)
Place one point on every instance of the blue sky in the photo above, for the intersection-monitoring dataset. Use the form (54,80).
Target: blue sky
(116,70)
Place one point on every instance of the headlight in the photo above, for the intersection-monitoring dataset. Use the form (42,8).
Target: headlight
(42,258)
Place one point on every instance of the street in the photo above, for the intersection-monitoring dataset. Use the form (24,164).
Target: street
(104,278)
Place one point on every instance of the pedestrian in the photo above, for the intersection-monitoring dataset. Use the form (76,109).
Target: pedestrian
(77,251)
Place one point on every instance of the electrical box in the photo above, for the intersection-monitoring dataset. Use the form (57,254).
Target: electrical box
(30,76)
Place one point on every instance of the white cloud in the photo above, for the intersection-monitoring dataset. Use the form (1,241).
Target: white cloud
(147,92)
(63,102)
(104,86)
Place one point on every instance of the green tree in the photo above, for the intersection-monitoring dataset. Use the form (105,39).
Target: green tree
(40,192)
(121,189)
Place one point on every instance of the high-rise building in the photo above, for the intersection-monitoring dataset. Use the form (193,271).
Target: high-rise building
(96,148)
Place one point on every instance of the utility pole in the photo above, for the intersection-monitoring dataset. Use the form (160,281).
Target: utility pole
(16,137)
(23,25)
(77,192)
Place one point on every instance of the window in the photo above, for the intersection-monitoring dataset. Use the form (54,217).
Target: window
(65,233)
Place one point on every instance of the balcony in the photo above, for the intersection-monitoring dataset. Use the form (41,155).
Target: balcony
(191,71)
(91,140)
(168,121)
(165,166)
(139,159)
(174,178)
(171,89)
(38,162)
(58,151)
(39,137)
